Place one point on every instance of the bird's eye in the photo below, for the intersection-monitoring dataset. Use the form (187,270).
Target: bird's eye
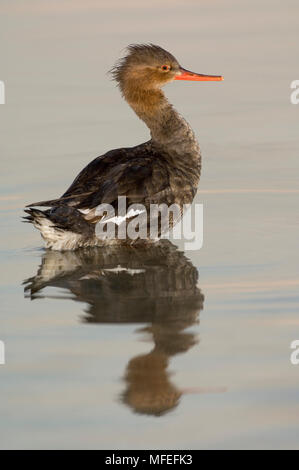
(165,68)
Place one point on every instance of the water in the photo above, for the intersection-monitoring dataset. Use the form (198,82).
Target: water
(184,350)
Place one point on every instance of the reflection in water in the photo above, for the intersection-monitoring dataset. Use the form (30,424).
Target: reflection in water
(156,285)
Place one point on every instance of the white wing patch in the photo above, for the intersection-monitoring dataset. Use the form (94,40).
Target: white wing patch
(119,269)
(119,219)
(116,219)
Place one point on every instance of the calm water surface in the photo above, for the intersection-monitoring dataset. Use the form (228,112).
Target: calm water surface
(181,349)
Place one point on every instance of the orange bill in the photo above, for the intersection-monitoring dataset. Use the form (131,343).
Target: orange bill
(197,77)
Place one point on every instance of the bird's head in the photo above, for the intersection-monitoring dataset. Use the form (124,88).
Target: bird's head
(148,67)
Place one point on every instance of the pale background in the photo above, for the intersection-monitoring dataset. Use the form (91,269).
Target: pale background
(62,378)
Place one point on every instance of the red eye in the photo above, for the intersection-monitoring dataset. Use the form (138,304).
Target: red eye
(165,68)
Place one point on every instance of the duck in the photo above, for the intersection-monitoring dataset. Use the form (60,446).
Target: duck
(163,170)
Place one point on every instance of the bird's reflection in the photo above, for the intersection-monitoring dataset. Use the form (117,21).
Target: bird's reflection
(155,286)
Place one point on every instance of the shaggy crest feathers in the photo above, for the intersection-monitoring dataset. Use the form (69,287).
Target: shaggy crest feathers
(144,55)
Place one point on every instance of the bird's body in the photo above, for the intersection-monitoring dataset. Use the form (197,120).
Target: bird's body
(164,170)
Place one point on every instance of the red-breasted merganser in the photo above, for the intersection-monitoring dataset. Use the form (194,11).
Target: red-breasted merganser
(165,169)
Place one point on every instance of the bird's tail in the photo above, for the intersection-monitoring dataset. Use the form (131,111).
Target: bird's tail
(62,228)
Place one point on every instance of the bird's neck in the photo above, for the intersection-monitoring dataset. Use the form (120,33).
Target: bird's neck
(169,130)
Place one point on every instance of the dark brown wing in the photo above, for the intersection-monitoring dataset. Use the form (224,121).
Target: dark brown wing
(134,172)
